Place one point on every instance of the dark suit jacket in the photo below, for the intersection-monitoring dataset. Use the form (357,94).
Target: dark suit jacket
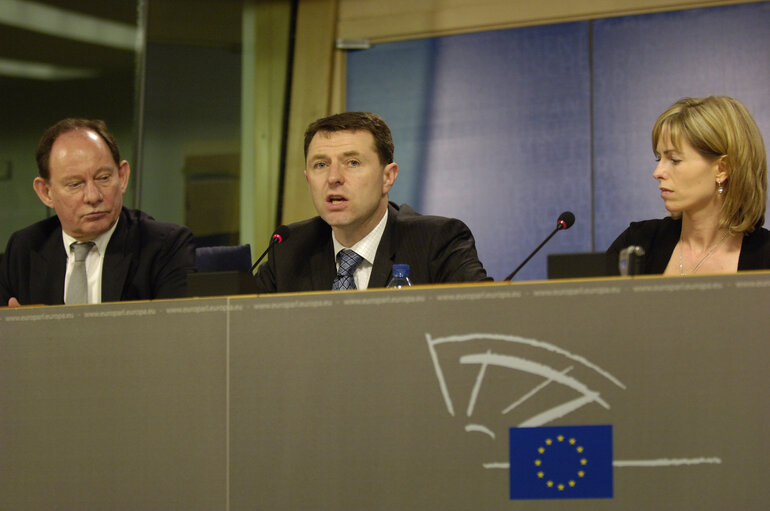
(145,259)
(437,249)
(658,238)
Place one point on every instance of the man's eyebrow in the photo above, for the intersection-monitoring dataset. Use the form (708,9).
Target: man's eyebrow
(318,156)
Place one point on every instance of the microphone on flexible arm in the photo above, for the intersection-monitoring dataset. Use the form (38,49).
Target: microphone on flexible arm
(564,221)
(279,236)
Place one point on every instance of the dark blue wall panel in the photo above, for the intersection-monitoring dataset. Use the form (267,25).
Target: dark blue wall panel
(502,139)
(396,81)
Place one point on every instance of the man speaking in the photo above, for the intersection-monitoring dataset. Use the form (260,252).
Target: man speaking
(359,235)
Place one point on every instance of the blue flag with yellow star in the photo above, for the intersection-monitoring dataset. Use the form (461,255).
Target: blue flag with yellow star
(562,462)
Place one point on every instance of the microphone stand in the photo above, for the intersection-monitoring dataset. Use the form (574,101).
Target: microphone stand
(514,272)
(279,235)
(254,266)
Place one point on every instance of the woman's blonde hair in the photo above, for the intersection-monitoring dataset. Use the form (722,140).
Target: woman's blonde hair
(719,126)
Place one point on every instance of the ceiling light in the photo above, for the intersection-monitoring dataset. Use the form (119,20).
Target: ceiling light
(55,21)
(41,71)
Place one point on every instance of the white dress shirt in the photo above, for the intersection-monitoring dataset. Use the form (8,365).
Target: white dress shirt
(367,249)
(94,263)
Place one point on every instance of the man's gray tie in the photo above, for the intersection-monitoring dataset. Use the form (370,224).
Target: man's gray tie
(349,261)
(77,290)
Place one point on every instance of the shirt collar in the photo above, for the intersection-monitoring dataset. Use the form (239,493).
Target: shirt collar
(367,246)
(100,241)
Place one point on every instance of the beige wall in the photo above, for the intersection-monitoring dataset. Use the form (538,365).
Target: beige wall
(266,27)
(310,96)
(318,87)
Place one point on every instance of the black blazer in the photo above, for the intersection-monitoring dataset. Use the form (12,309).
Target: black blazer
(145,259)
(658,238)
(437,249)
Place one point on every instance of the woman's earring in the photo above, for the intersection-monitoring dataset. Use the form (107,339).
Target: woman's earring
(721,188)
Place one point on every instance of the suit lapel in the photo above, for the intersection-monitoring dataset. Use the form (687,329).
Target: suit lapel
(47,270)
(322,266)
(117,262)
(386,253)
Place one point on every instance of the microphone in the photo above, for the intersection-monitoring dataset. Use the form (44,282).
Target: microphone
(280,234)
(564,221)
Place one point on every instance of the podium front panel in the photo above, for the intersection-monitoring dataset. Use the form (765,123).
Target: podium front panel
(389,399)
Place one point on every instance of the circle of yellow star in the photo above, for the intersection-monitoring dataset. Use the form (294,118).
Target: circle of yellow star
(561,486)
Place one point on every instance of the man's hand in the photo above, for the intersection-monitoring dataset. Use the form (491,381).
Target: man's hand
(13,302)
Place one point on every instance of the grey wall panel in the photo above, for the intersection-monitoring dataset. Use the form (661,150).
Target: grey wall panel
(117,406)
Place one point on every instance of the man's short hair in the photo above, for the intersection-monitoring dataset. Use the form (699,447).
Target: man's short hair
(43,154)
(356,121)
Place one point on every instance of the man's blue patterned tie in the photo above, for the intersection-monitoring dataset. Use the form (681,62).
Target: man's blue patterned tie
(349,261)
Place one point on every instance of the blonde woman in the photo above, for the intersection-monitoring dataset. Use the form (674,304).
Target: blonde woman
(712,176)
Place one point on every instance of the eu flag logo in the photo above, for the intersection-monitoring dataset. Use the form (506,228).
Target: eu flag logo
(563,462)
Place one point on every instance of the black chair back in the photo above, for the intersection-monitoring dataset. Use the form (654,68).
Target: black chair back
(224,258)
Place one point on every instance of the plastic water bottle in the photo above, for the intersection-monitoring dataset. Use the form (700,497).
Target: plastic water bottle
(400,276)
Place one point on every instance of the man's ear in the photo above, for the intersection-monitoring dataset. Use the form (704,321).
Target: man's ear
(43,191)
(124,171)
(389,175)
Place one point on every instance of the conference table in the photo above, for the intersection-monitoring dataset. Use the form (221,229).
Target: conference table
(395,399)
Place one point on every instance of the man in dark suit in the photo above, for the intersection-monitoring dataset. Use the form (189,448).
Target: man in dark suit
(349,169)
(126,254)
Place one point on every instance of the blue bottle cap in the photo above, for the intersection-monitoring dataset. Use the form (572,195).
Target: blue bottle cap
(400,270)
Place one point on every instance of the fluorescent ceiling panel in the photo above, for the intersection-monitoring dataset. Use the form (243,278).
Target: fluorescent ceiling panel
(58,22)
(41,71)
